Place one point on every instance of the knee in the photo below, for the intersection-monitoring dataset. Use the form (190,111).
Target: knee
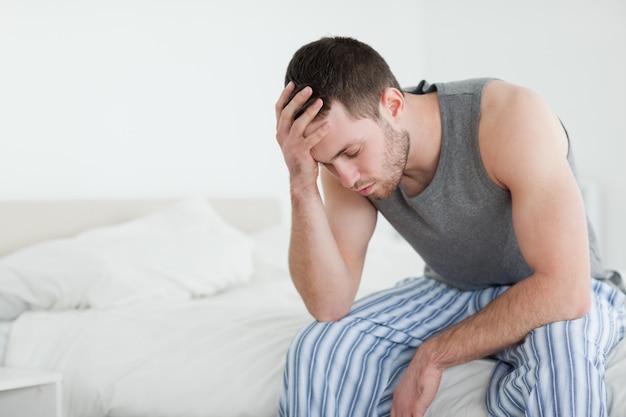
(310,342)
(553,359)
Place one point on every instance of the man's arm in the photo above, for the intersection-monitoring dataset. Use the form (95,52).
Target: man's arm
(328,240)
(524,149)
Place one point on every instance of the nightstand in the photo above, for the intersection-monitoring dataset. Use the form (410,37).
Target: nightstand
(30,393)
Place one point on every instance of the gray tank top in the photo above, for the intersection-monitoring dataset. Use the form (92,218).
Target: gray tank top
(461,224)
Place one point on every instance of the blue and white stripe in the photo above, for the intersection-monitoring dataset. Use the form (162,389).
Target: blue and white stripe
(350,367)
(558,370)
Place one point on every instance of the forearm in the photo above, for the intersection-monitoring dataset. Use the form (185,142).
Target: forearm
(532,303)
(317,267)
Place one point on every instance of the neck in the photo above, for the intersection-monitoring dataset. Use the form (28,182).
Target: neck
(422,119)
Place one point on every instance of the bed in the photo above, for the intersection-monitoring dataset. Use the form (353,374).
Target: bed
(179,307)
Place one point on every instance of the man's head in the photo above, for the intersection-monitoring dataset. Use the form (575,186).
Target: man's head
(342,69)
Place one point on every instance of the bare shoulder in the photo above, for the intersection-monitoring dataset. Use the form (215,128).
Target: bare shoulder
(505,105)
(517,130)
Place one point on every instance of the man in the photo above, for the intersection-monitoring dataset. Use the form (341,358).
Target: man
(477,176)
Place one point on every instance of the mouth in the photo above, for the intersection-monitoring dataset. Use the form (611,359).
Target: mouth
(365,191)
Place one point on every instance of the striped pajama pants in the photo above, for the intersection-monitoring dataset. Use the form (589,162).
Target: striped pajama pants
(349,368)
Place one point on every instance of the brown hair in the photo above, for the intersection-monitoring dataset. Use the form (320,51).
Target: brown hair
(342,69)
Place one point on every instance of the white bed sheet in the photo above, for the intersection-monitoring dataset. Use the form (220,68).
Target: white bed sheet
(219,355)
(215,357)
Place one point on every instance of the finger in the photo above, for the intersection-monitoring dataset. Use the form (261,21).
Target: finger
(308,114)
(282,99)
(288,128)
(284,123)
(296,103)
(317,135)
(290,102)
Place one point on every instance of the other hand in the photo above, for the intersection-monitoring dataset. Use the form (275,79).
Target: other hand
(416,390)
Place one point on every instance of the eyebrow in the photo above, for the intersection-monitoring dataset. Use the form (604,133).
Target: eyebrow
(342,151)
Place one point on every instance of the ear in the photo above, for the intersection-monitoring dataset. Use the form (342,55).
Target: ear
(392,102)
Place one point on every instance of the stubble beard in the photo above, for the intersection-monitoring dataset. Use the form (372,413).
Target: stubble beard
(396,155)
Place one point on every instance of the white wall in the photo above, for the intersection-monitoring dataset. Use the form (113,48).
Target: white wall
(135,98)
(150,98)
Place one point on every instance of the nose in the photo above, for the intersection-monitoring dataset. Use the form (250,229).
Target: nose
(348,174)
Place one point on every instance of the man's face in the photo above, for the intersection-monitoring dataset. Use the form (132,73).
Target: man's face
(366,156)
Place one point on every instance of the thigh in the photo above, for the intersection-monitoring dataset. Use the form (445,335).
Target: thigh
(559,369)
(417,308)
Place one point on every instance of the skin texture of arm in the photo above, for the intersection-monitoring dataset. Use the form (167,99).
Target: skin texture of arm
(524,149)
(326,277)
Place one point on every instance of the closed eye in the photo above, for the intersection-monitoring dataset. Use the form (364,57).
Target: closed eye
(352,153)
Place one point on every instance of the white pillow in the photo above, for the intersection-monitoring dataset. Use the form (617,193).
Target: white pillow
(389,260)
(271,248)
(186,250)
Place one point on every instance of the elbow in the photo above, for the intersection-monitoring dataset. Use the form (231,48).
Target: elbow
(328,309)
(328,314)
(577,304)
(328,305)
(566,296)
(580,306)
